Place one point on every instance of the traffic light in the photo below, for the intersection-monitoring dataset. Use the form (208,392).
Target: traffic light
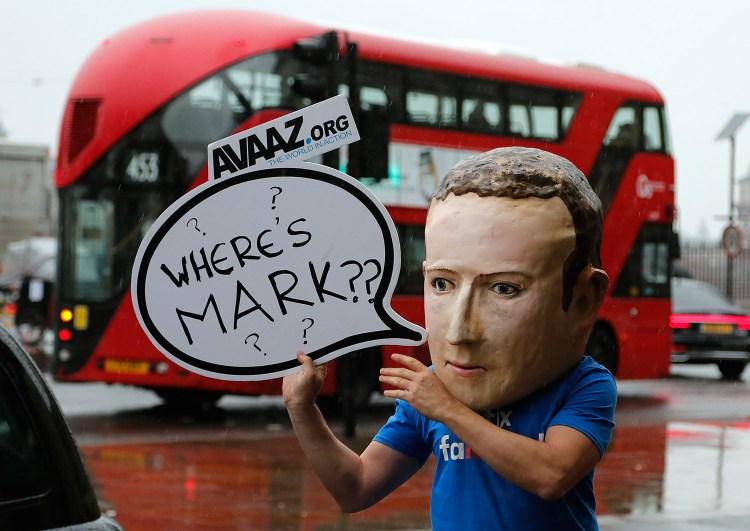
(370,158)
(317,79)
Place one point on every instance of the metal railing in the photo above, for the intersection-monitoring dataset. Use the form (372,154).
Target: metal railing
(708,262)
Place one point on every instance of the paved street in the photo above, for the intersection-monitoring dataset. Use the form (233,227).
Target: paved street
(679,460)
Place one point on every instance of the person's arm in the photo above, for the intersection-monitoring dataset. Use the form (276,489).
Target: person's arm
(355,482)
(548,469)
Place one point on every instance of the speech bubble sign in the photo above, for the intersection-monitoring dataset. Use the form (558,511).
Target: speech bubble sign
(241,273)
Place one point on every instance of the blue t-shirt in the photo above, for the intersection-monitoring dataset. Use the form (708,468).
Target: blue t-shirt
(468,494)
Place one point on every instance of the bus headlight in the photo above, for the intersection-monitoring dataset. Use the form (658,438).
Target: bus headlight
(64,355)
(162,367)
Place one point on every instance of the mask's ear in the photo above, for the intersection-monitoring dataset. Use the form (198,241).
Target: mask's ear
(588,296)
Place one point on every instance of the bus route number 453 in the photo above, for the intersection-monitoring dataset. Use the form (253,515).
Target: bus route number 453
(143,167)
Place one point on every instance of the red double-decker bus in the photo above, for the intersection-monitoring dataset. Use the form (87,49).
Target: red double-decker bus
(147,102)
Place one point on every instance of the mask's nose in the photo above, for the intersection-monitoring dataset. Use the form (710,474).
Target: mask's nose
(464,325)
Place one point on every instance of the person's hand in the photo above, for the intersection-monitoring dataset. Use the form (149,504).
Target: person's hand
(418,385)
(302,388)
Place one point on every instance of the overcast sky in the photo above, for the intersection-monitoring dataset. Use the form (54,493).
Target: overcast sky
(696,53)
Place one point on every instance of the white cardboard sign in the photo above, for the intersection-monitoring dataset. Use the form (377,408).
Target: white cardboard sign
(241,273)
(293,138)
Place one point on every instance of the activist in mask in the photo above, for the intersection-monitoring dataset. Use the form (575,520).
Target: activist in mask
(515,414)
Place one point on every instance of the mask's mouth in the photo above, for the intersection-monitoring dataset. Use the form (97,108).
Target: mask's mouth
(462,369)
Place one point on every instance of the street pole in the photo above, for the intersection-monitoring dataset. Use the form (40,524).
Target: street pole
(730,257)
(354,168)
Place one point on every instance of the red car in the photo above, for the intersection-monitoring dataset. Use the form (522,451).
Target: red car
(708,328)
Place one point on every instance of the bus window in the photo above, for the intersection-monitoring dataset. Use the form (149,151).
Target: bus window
(634,127)
(481,116)
(382,89)
(652,131)
(544,118)
(430,108)
(647,270)
(545,114)
(666,142)
(105,230)
(481,111)
(619,145)
(198,117)
(655,262)
(623,130)
(213,108)
(422,107)
(411,279)
(373,98)
(429,101)
(93,239)
(539,113)
(259,81)
(432,100)
(519,118)
(570,106)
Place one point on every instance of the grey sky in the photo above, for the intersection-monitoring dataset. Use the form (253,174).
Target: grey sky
(694,52)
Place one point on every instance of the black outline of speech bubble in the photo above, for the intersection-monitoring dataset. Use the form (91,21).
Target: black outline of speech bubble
(395,330)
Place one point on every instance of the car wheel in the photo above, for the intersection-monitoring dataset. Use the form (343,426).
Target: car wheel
(731,369)
(602,347)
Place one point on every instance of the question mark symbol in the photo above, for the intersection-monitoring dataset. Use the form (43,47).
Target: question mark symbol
(273,199)
(355,277)
(376,275)
(196,224)
(255,343)
(304,332)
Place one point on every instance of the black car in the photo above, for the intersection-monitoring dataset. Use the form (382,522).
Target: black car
(43,480)
(708,328)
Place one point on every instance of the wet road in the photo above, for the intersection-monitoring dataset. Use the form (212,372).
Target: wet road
(679,460)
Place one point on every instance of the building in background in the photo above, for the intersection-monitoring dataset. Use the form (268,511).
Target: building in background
(28,200)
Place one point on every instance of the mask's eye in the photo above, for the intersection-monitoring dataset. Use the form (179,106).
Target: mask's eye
(501,288)
(440,284)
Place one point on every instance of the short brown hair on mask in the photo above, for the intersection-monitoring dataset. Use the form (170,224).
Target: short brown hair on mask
(519,173)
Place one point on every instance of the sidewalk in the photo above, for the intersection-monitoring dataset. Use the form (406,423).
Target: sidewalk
(699,522)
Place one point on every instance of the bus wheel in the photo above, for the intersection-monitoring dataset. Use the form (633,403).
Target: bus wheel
(731,369)
(603,347)
(188,400)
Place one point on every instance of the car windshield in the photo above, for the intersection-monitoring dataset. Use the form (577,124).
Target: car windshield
(692,296)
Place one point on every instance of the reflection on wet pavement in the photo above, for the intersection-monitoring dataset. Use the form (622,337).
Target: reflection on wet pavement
(680,468)
(243,469)
(264,482)
(630,477)
(237,484)
(707,467)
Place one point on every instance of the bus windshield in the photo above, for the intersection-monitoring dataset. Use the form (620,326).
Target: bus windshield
(109,211)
